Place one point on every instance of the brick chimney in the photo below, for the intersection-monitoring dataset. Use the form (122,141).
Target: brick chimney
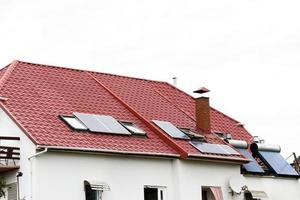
(203,111)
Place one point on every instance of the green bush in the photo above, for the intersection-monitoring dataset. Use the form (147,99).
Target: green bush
(2,187)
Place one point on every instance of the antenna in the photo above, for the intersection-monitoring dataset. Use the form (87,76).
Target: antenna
(237,184)
(296,163)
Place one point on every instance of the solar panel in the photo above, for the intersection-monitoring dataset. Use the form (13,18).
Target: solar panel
(252,166)
(214,148)
(170,129)
(102,123)
(277,163)
(228,149)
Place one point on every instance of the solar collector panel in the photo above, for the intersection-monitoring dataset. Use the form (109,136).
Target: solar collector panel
(170,129)
(101,123)
(277,163)
(252,166)
(228,149)
(214,148)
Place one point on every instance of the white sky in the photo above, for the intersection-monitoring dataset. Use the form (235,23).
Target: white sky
(245,51)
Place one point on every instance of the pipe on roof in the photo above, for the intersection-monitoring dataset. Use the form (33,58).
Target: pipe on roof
(241,144)
(255,147)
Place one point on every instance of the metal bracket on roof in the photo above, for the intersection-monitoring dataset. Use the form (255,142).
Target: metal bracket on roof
(3,98)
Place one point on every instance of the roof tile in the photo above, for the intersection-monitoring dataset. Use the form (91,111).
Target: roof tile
(38,94)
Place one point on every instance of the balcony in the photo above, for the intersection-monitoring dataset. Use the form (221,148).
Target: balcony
(9,153)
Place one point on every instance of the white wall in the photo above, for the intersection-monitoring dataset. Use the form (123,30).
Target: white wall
(27,148)
(64,173)
(195,174)
(60,176)
(276,188)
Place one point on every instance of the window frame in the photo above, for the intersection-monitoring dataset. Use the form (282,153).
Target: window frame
(161,191)
(62,117)
(192,135)
(94,190)
(125,124)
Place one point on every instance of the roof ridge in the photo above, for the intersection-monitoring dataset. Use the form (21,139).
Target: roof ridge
(194,99)
(163,137)
(176,88)
(8,72)
(90,71)
(15,62)
(186,94)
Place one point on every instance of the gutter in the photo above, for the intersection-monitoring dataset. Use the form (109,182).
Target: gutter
(116,152)
(104,151)
(219,159)
(39,153)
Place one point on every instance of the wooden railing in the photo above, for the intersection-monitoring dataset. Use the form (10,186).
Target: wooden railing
(9,153)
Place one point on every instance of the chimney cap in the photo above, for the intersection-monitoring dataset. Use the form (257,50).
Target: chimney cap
(202,90)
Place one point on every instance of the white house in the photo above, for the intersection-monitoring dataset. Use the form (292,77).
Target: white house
(80,135)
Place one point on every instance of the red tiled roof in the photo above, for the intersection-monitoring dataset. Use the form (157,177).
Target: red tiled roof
(38,94)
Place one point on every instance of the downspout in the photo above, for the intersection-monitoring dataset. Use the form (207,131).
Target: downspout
(30,160)
(37,154)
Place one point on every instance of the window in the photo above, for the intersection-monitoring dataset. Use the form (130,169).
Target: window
(223,135)
(154,193)
(255,195)
(93,194)
(194,136)
(204,194)
(94,190)
(133,128)
(211,193)
(73,122)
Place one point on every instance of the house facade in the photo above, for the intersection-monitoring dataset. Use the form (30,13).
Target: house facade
(71,134)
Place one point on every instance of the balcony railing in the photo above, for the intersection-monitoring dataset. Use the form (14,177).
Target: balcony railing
(9,153)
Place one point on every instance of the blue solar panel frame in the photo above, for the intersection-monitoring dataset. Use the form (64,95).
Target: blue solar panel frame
(170,129)
(252,167)
(277,164)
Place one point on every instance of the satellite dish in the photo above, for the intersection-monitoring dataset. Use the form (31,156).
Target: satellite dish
(236,183)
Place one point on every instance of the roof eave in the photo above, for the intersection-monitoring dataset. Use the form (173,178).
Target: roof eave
(215,158)
(106,151)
